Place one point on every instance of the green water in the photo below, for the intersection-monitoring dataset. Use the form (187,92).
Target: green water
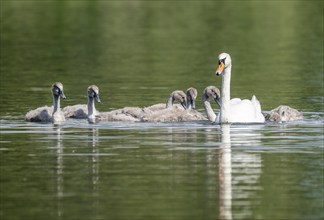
(137,52)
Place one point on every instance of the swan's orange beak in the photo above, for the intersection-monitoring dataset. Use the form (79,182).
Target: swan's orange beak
(220,69)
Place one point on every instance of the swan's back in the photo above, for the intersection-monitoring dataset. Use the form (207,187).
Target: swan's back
(41,114)
(284,113)
(194,115)
(155,107)
(175,96)
(246,111)
(79,111)
(175,114)
(132,114)
(172,114)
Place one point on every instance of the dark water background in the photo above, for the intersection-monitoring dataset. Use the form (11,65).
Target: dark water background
(137,52)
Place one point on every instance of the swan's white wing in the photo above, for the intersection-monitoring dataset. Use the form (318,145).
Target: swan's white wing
(246,111)
(235,101)
(256,104)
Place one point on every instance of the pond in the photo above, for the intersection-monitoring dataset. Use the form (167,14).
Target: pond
(137,52)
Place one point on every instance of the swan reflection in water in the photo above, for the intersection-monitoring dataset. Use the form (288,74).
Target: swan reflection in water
(59,170)
(92,143)
(239,171)
(225,174)
(94,139)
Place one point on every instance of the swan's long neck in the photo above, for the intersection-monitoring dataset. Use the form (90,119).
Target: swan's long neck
(91,106)
(169,102)
(209,111)
(226,95)
(56,103)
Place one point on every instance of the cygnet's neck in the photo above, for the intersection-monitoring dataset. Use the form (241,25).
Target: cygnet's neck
(209,111)
(91,106)
(56,103)
(226,95)
(169,102)
(189,102)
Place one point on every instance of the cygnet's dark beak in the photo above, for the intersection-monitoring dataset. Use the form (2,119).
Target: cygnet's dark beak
(218,101)
(97,98)
(184,104)
(62,95)
(193,104)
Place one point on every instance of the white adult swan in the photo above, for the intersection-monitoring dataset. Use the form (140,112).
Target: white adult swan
(211,92)
(284,113)
(49,114)
(235,110)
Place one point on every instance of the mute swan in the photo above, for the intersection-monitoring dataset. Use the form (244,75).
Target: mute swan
(163,112)
(125,114)
(93,94)
(191,105)
(49,114)
(191,94)
(174,113)
(235,110)
(175,96)
(211,92)
(80,111)
(131,114)
(284,113)
(90,112)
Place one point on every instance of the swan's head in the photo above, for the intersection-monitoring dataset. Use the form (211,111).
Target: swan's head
(57,90)
(191,97)
(224,61)
(213,92)
(180,96)
(93,92)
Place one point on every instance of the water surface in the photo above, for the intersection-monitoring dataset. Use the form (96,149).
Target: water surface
(137,52)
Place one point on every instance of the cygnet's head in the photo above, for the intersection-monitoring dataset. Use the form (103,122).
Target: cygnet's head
(224,61)
(191,97)
(213,92)
(57,90)
(93,92)
(180,96)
